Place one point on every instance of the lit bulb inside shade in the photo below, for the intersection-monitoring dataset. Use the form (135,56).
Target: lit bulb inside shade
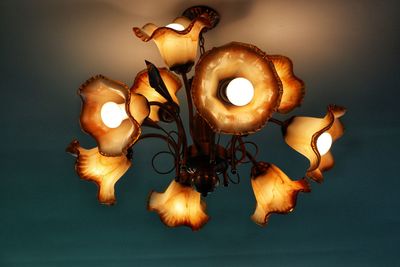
(239,91)
(176,26)
(113,114)
(324,143)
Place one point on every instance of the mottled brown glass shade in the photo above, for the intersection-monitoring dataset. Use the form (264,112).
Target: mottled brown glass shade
(138,107)
(95,93)
(274,191)
(142,86)
(179,205)
(104,171)
(231,61)
(176,47)
(293,87)
(301,133)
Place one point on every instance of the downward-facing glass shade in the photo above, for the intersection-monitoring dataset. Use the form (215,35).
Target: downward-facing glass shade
(274,191)
(104,171)
(179,205)
(142,86)
(114,140)
(177,47)
(313,137)
(225,63)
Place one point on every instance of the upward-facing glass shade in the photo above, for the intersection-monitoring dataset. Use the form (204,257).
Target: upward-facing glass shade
(228,62)
(104,171)
(275,192)
(142,86)
(176,47)
(302,134)
(179,205)
(100,90)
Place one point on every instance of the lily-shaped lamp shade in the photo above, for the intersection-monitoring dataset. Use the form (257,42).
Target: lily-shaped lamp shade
(252,73)
(178,41)
(313,137)
(142,86)
(293,87)
(179,205)
(274,191)
(111,115)
(104,171)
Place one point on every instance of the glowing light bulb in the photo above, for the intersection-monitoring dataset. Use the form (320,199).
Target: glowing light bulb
(176,26)
(113,114)
(324,143)
(240,91)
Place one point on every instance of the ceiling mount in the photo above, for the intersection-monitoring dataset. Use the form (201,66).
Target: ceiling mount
(196,11)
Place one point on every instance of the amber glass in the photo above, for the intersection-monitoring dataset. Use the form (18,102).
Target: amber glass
(176,47)
(138,107)
(95,93)
(301,133)
(227,62)
(293,87)
(179,205)
(142,86)
(104,171)
(274,191)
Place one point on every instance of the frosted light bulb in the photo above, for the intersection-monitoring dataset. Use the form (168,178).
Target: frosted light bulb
(113,114)
(239,91)
(176,26)
(324,143)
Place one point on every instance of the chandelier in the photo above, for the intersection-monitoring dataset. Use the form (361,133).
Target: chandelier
(235,90)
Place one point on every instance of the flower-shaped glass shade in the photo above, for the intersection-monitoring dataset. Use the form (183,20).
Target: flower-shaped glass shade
(293,87)
(142,86)
(104,171)
(302,133)
(176,47)
(228,62)
(138,107)
(179,205)
(95,93)
(274,192)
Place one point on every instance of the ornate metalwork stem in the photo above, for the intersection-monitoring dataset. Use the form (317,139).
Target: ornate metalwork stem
(162,137)
(233,152)
(189,101)
(202,44)
(182,141)
(276,121)
(170,143)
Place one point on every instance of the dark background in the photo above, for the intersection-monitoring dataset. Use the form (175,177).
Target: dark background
(347,52)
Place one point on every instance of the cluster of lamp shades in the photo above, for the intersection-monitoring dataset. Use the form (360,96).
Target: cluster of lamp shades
(235,90)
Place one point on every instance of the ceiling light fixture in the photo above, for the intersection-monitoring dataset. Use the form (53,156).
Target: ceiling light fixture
(235,90)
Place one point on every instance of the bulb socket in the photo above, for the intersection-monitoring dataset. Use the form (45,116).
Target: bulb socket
(223,84)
